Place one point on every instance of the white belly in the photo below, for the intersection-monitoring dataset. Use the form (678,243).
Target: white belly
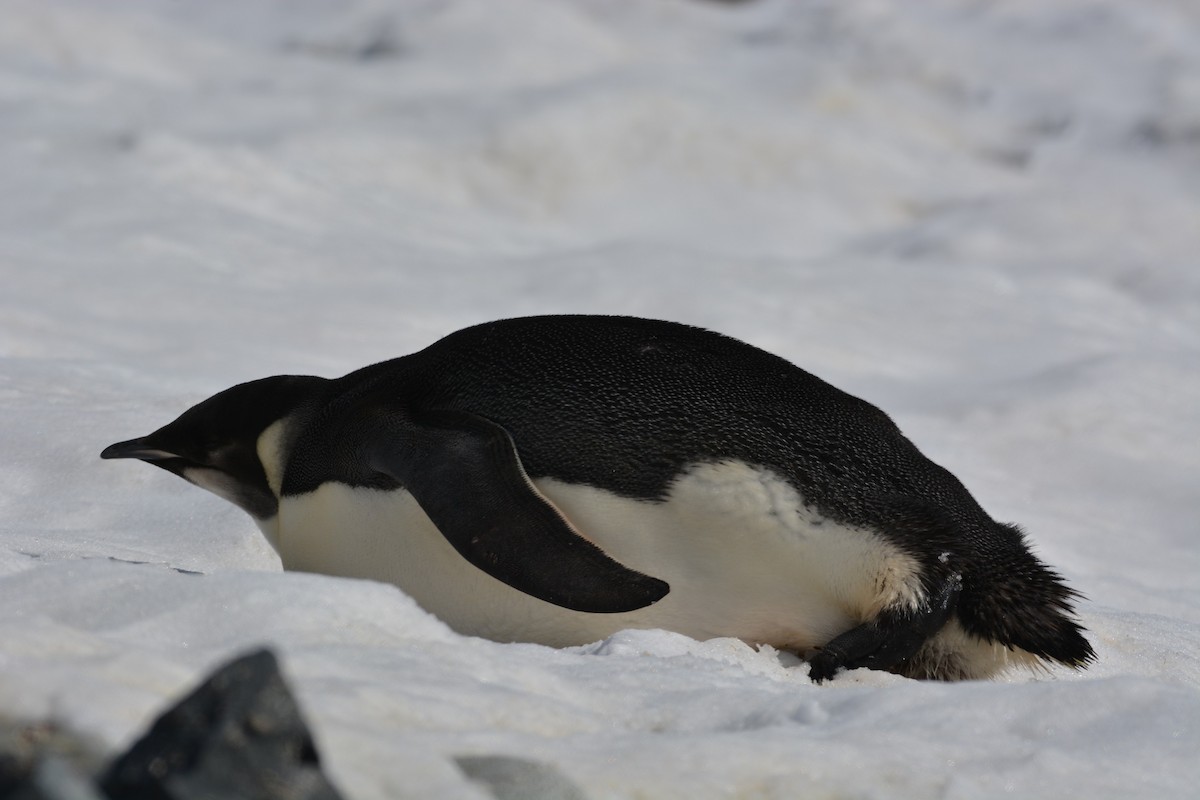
(743,556)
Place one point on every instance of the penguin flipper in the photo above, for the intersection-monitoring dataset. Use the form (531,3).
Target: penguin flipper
(465,473)
(888,640)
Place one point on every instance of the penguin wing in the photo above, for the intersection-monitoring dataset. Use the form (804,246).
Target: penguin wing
(465,473)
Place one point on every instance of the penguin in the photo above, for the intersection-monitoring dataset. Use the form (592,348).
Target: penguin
(556,479)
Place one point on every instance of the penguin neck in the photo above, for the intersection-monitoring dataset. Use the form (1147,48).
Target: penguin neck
(271,446)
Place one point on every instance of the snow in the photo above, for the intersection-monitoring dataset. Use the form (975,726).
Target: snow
(982,217)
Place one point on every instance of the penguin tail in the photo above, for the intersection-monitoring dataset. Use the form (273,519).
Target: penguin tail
(1014,599)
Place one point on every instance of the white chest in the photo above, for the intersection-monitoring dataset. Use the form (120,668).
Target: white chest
(743,556)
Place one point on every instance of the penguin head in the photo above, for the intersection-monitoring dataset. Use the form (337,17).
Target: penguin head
(214,444)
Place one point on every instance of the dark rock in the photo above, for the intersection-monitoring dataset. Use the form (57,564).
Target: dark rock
(239,736)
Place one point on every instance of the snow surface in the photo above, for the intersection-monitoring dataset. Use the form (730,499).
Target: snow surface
(983,217)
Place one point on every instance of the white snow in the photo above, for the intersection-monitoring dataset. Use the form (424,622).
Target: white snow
(982,217)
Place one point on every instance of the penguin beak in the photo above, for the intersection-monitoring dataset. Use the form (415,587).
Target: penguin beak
(136,448)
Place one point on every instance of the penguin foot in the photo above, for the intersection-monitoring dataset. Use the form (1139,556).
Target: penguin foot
(890,639)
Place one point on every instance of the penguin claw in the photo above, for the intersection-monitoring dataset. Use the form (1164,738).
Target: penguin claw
(825,664)
(890,639)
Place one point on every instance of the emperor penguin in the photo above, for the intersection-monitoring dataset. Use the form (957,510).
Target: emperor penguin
(557,479)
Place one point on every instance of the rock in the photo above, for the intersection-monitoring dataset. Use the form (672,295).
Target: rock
(238,736)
